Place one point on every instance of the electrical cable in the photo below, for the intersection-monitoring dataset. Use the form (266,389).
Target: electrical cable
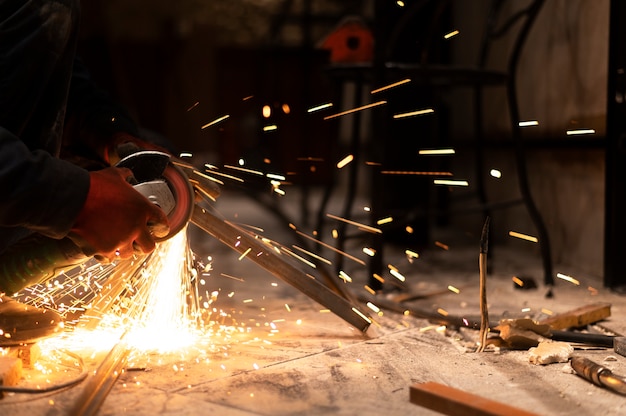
(56,387)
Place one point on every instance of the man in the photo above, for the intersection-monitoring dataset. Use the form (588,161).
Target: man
(50,113)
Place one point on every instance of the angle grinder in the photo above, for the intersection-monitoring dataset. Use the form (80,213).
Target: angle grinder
(38,258)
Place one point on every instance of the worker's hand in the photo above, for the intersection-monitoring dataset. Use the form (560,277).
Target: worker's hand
(116,220)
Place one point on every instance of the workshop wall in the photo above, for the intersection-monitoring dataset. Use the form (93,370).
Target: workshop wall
(166,59)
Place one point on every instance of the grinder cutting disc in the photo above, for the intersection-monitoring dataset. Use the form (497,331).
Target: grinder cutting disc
(184,196)
(159,180)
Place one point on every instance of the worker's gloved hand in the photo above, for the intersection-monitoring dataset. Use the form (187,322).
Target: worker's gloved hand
(116,220)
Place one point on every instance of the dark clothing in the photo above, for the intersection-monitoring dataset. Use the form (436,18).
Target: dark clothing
(42,86)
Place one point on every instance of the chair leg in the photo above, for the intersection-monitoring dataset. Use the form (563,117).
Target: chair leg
(522,178)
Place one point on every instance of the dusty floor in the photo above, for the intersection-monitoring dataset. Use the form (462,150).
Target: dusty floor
(286,356)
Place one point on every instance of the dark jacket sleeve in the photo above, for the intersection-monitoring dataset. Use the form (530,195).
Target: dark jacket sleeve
(37,190)
(93,117)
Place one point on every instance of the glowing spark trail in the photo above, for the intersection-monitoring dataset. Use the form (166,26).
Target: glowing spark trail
(354,110)
(386,87)
(343,162)
(209,124)
(357,224)
(414,113)
(450,182)
(319,107)
(580,131)
(568,278)
(451,34)
(436,152)
(523,236)
(528,123)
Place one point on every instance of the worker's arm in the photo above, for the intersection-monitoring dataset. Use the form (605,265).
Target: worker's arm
(37,190)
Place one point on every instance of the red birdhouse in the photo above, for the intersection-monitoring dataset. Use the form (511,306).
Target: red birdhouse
(350,42)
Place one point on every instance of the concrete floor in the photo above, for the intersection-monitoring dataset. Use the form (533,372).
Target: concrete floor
(292,358)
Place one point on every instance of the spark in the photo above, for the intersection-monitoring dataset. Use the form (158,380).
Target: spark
(523,236)
(442,245)
(568,278)
(343,162)
(247,300)
(400,3)
(320,258)
(414,113)
(546,311)
(450,182)
(386,220)
(373,307)
(271,127)
(365,318)
(495,173)
(217,120)
(224,175)
(580,131)
(518,281)
(354,110)
(245,253)
(319,107)
(454,289)
(592,290)
(442,311)
(357,224)
(275,176)
(411,254)
(302,259)
(369,251)
(451,34)
(386,87)
(254,172)
(396,273)
(197,103)
(344,276)
(185,154)
(239,279)
(436,152)
(247,98)
(267,111)
(369,289)
(378,277)
(361,262)
(528,123)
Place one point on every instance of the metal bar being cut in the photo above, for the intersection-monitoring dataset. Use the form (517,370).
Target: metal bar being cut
(265,256)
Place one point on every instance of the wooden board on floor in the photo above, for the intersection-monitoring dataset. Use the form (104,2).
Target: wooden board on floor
(450,401)
(579,317)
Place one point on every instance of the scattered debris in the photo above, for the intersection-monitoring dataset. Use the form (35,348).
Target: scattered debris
(522,333)
(549,352)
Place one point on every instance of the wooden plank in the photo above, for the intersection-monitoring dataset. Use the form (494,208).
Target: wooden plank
(450,401)
(10,371)
(579,317)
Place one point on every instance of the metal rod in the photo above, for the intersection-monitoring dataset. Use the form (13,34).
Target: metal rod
(101,383)
(265,256)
